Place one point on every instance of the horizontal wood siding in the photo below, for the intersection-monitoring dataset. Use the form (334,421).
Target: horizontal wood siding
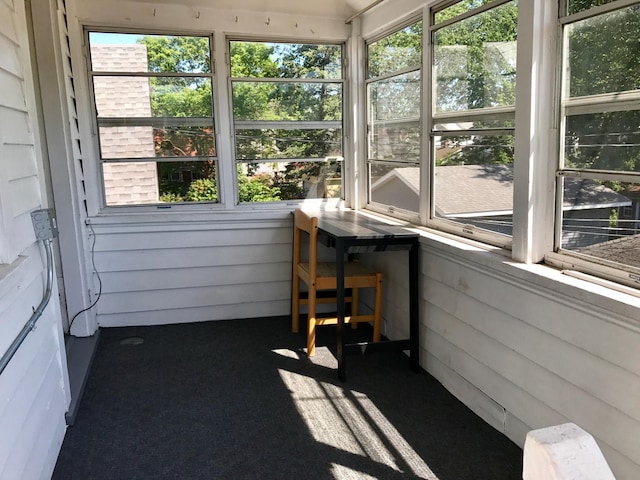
(19,184)
(162,274)
(34,392)
(521,355)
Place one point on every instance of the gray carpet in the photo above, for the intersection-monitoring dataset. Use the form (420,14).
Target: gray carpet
(240,400)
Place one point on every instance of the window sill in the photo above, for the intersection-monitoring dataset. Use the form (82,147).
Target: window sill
(546,279)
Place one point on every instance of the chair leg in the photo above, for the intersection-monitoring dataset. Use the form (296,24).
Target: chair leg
(377,313)
(295,305)
(311,328)
(355,300)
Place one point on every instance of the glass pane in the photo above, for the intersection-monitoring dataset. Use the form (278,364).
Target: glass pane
(394,118)
(147,142)
(473,181)
(280,143)
(476,125)
(285,60)
(128,52)
(603,141)
(129,183)
(475,61)
(575,6)
(275,181)
(602,219)
(287,101)
(458,9)
(396,186)
(395,52)
(603,53)
(157,96)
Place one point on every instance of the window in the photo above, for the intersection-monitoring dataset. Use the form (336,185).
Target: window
(287,115)
(154,110)
(599,171)
(393,119)
(473,118)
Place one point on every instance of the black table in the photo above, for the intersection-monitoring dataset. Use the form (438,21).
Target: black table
(350,232)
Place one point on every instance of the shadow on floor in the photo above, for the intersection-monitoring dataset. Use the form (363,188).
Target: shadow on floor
(240,400)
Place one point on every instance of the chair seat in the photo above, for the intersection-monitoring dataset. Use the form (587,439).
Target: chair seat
(356,275)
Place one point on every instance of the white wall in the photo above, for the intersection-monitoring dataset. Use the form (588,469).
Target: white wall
(193,269)
(34,393)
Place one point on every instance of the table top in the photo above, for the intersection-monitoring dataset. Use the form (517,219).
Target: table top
(351,225)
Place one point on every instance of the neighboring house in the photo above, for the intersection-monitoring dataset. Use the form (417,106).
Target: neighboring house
(116,141)
(483,196)
(630,215)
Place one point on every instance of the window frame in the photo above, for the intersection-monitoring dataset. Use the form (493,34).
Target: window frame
(489,113)
(368,159)
(165,121)
(623,101)
(311,124)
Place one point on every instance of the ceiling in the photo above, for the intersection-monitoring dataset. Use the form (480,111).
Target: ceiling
(323,8)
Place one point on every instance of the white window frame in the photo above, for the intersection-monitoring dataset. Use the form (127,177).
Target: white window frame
(630,100)
(257,124)
(450,226)
(95,123)
(372,205)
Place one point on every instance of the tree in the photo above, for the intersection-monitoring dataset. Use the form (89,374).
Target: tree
(603,58)
(475,64)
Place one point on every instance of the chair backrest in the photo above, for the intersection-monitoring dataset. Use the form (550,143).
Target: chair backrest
(303,222)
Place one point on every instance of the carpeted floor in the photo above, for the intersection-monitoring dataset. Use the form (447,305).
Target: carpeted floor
(240,400)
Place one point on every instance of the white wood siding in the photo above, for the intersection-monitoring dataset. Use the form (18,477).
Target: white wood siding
(34,391)
(19,187)
(193,272)
(523,350)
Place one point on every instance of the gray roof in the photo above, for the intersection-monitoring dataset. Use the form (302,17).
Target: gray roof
(625,250)
(488,189)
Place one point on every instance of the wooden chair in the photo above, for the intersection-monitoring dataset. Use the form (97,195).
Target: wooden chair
(321,276)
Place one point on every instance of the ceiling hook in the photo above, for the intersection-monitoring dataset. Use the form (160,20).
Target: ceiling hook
(198,16)
(268,20)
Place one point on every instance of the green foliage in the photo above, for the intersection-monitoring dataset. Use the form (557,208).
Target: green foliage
(603,58)
(177,54)
(170,197)
(257,189)
(202,190)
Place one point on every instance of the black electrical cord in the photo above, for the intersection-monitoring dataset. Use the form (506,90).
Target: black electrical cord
(93,263)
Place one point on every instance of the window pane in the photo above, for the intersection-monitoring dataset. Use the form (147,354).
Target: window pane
(475,61)
(474,181)
(394,118)
(275,181)
(458,9)
(129,183)
(575,6)
(287,101)
(602,219)
(145,141)
(285,60)
(395,52)
(603,141)
(395,185)
(158,96)
(128,52)
(603,53)
(291,143)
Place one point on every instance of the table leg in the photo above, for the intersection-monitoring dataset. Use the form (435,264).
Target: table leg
(342,368)
(414,303)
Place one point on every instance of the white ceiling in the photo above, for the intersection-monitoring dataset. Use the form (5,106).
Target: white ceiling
(323,8)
